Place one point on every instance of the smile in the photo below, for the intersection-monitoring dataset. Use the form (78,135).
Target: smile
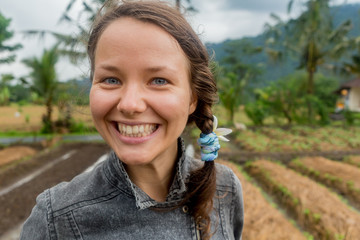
(141,130)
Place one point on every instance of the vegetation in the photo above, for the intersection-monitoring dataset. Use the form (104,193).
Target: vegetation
(234,75)
(261,216)
(298,139)
(310,204)
(44,81)
(338,176)
(7,51)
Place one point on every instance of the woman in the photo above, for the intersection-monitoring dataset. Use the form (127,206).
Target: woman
(150,78)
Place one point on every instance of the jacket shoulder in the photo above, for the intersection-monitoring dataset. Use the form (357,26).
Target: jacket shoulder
(84,189)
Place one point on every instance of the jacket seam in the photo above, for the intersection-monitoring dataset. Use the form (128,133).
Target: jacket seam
(74,226)
(83,203)
(232,199)
(50,216)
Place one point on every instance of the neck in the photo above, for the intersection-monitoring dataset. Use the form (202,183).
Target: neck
(155,178)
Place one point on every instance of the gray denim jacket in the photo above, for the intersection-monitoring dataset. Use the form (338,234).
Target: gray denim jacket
(104,204)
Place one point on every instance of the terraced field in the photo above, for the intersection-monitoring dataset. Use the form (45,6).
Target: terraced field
(317,197)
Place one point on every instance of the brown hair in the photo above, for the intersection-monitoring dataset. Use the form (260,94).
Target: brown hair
(202,182)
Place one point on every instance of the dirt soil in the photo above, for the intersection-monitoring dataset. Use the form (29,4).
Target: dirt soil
(16,205)
(11,154)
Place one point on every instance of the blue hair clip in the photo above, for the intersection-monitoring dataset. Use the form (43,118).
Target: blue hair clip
(209,143)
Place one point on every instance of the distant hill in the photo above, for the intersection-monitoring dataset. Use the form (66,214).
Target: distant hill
(274,71)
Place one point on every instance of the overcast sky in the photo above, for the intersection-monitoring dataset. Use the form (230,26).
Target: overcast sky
(216,21)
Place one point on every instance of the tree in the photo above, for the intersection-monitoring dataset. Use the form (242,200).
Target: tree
(312,38)
(44,81)
(6,35)
(4,89)
(354,66)
(236,75)
(286,98)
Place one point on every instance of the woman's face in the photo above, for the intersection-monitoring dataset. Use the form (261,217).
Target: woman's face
(140,98)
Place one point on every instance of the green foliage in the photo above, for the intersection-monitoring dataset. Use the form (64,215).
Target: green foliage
(44,81)
(349,117)
(311,38)
(299,138)
(6,35)
(78,127)
(4,96)
(234,76)
(257,112)
(287,99)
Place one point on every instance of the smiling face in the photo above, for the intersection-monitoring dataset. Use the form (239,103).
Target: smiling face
(140,98)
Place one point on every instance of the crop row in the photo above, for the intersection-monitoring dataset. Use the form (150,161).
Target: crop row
(342,178)
(314,207)
(270,139)
(262,220)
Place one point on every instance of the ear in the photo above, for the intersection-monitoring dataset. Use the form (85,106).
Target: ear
(193,104)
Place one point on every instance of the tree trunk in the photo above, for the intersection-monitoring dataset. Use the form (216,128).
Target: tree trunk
(310,92)
(178,5)
(49,113)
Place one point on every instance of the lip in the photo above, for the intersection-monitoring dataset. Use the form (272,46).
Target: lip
(133,140)
(132,123)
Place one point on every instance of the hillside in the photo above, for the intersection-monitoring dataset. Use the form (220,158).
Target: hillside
(273,71)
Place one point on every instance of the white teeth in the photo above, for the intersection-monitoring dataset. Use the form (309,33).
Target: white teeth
(136,130)
(128,130)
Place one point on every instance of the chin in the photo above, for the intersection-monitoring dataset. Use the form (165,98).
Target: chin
(133,158)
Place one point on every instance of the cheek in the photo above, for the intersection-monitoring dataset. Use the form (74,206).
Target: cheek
(100,103)
(174,107)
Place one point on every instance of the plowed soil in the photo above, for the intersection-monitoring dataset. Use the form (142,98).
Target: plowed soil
(16,205)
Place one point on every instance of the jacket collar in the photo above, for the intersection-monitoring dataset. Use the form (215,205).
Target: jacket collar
(117,175)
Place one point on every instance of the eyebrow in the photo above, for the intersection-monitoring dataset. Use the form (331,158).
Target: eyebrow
(154,69)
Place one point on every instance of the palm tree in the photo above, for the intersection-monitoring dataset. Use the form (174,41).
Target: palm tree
(311,37)
(44,80)
(5,35)
(354,66)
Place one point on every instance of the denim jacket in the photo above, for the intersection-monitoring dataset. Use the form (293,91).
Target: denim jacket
(104,204)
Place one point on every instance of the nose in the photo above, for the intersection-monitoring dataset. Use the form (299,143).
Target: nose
(132,100)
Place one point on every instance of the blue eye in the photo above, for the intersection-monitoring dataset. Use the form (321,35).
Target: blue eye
(111,81)
(159,81)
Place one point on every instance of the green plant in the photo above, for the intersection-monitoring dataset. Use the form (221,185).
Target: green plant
(78,127)
(257,112)
(27,118)
(349,117)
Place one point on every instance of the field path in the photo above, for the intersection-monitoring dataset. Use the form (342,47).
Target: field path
(61,164)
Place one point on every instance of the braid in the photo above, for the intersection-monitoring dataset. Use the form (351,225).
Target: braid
(202,182)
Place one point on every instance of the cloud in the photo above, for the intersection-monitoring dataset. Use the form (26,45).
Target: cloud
(256,5)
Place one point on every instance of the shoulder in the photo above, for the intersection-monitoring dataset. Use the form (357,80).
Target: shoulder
(226,179)
(86,188)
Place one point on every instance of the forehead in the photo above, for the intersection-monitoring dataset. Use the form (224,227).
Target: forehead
(127,34)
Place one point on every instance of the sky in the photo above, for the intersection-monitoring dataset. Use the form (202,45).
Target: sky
(215,21)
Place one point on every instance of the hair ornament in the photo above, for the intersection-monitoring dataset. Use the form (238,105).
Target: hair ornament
(209,143)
